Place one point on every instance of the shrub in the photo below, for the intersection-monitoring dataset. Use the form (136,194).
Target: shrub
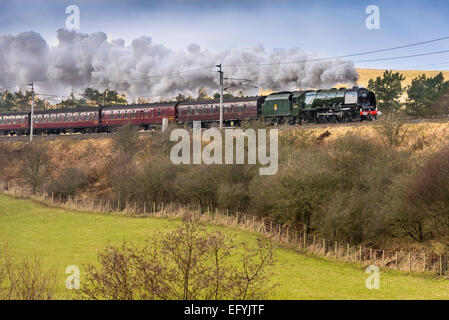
(126,139)
(425,211)
(189,263)
(35,164)
(69,181)
(25,280)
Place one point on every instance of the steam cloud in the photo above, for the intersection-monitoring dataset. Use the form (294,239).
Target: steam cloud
(90,60)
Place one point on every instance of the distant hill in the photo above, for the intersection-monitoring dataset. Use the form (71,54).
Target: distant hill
(367,74)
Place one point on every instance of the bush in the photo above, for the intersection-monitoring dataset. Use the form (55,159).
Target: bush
(189,263)
(425,211)
(25,280)
(70,181)
(35,164)
(392,132)
(126,139)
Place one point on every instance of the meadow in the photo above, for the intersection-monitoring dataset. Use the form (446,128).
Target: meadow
(62,238)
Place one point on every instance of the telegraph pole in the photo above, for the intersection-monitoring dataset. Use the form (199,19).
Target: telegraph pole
(221,96)
(32,112)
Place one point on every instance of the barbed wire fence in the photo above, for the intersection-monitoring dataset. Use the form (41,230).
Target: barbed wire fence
(300,241)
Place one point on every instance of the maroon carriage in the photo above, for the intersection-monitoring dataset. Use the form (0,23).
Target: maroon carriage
(83,120)
(14,122)
(145,116)
(235,110)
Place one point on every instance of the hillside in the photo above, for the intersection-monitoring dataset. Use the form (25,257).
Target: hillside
(367,74)
(63,238)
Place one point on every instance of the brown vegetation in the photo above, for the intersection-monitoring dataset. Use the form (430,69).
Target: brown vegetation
(373,185)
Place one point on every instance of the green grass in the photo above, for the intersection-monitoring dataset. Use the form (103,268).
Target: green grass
(61,238)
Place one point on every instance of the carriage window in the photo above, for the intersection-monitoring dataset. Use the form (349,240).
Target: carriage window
(240,108)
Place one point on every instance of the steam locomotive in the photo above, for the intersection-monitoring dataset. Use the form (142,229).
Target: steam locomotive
(286,107)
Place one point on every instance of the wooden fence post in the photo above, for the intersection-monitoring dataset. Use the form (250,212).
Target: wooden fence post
(144,208)
(314,241)
(424,264)
(324,247)
(441,265)
(409,261)
(383,258)
(254,223)
(396,258)
(370,255)
(347,252)
(304,239)
(360,253)
(336,250)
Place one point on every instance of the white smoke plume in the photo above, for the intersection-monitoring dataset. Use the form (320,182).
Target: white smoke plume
(152,70)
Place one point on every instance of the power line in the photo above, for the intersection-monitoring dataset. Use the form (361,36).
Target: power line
(339,57)
(404,57)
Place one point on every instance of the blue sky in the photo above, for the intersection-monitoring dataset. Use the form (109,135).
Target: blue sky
(327,27)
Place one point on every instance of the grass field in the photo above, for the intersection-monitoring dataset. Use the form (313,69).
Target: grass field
(63,238)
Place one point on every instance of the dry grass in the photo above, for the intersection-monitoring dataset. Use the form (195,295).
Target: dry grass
(366,74)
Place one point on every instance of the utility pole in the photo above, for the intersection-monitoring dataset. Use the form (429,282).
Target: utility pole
(221,96)
(32,112)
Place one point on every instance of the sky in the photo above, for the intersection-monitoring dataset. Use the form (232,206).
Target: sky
(326,28)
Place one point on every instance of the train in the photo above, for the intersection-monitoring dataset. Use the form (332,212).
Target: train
(285,107)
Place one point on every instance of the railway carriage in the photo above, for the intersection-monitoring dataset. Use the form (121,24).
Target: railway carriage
(14,122)
(84,120)
(235,111)
(145,116)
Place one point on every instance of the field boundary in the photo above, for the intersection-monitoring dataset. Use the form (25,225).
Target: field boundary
(411,261)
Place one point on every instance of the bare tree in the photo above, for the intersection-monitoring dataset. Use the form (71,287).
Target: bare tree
(35,164)
(25,280)
(189,263)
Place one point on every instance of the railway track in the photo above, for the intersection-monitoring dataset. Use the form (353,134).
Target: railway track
(84,136)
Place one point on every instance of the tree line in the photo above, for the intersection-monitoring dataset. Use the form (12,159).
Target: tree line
(21,100)
(426,96)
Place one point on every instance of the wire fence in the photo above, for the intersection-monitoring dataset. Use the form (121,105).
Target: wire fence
(431,262)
